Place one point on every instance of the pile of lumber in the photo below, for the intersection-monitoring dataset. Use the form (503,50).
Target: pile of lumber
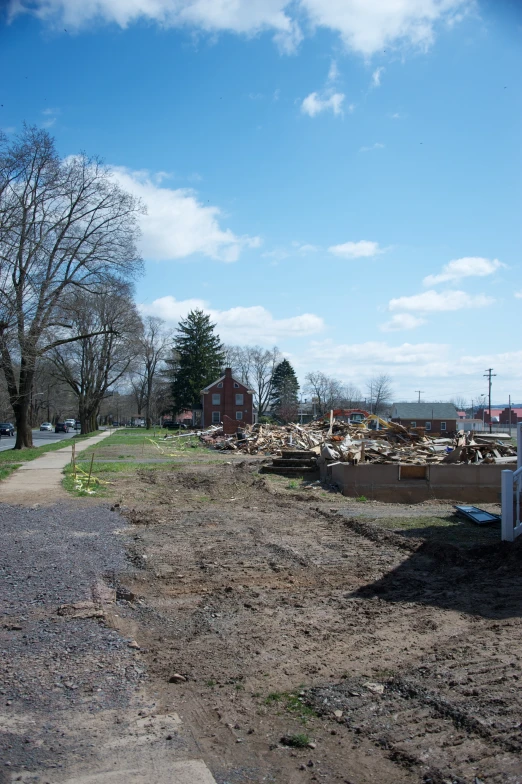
(342,441)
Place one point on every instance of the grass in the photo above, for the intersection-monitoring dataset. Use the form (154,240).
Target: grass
(8,470)
(12,459)
(292,703)
(298,741)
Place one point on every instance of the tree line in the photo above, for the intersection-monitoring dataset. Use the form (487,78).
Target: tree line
(70,331)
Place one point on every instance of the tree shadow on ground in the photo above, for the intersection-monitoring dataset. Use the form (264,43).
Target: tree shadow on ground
(484,580)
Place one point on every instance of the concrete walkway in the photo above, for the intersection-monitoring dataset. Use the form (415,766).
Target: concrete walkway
(40,480)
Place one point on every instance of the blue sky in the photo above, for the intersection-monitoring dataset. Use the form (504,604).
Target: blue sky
(340,178)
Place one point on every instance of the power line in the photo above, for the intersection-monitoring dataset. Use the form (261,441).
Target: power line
(488,374)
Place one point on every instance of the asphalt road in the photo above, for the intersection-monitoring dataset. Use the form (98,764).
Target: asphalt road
(39,439)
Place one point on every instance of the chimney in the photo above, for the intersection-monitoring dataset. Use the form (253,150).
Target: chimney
(228,372)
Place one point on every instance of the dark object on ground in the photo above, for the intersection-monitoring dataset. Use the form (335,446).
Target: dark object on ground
(60,427)
(478,516)
(174,426)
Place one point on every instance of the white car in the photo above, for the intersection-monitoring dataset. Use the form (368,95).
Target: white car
(70,423)
(46,426)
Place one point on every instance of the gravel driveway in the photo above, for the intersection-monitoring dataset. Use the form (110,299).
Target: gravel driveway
(69,684)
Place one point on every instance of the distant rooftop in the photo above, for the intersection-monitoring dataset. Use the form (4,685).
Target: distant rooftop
(424,411)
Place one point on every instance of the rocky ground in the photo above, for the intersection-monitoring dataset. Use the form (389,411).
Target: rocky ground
(295,642)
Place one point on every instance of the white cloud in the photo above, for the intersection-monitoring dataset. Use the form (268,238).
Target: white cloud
(376,146)
(395,116)
(469,266)
(432,302)
(333,73)
(402,321)
(313,104)
(365,26)
(177,225)
(518,294)
(369,26)
(245,324)
(376,76)
(356,250)
(446,372)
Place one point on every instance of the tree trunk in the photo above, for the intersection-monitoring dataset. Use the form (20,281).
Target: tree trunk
(24,435)
(21,405)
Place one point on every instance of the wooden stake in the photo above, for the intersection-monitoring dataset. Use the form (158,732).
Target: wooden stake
(73,458)
(90,471)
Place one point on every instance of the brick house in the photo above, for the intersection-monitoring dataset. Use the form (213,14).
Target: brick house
(229,401)
(433,417)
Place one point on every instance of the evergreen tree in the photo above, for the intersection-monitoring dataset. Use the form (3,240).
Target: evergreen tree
(284,391)
(198,359)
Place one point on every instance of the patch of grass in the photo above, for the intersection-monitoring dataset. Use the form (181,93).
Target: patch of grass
(11,459)
(8,470)
(295,704)
(293,484)
(361,498)
(210,683)
(275,696)
(297,741)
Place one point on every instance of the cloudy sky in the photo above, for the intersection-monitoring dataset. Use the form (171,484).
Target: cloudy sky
(337,177)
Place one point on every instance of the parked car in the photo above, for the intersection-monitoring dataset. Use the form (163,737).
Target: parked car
(77,425)
(6,429)
(46,426)
(60,427)
(174,425)
(70,423)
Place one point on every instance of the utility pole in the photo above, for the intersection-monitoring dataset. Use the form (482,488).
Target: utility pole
(510,416)
(489,375)
(419,391)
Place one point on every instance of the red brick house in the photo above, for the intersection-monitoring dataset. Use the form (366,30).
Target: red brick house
(227,401)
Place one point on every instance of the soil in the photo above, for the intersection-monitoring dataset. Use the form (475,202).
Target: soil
(297,634)
(313,646)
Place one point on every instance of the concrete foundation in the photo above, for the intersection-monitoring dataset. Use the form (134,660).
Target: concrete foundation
(413,484)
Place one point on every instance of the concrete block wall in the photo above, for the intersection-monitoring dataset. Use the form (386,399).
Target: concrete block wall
(393,483)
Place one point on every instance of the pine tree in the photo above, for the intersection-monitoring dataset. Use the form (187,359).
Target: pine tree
(198,359)
(284,391)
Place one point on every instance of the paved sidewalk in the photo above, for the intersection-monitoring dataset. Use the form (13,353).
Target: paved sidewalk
(43,483)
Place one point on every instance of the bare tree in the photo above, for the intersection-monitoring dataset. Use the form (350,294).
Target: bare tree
(152,349)
(328,392)
(379,393)
(255,366)
(460,403)
(63,225)
(351,396)
(107,328)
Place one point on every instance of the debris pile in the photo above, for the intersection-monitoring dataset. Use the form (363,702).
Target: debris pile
(349,443)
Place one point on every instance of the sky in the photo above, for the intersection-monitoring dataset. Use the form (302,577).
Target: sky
(340,178)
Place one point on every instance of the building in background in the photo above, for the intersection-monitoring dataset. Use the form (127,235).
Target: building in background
(432,417)
(229,402)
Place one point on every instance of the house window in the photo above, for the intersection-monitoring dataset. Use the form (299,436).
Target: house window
(216,419)
(428,425)
(239,400)
(236,385)
(216,399)
(220,385)
(443,426)
(239,415)
(413,424)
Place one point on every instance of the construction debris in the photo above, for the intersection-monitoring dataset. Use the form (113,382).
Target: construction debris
(357,443)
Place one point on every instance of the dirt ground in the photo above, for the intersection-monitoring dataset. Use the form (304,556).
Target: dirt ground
(301,644)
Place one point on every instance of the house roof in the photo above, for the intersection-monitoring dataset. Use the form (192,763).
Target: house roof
(424,411)
(222,378)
